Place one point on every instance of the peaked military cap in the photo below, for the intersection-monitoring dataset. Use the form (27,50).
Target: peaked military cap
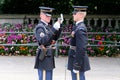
(46,10)
(79,9)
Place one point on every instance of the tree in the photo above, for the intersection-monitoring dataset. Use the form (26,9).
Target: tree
(20,6)
(61,6)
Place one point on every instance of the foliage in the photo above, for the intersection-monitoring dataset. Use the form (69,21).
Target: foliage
(61,6)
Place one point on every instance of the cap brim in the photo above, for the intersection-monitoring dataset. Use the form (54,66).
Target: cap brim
(74,12)
(48,14)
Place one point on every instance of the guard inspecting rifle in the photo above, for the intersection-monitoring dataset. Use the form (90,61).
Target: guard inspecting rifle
(46,36)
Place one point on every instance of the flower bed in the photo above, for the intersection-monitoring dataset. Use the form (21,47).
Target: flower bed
(17,38)
(21,38)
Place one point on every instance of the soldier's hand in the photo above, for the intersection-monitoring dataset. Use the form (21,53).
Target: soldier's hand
(75,71)
(73,33)
(57,25)
(43,47)
(53,42)
(60,19)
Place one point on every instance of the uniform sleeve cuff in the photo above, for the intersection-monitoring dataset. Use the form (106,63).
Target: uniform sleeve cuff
(53,31)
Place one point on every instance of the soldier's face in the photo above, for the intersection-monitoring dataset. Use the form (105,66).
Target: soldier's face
(45,17)
(48,18)
(77,16)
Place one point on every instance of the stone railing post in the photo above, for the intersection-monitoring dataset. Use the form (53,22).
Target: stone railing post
(67,21)
(95,20)
(88,21)
(109,22)
(102,25)
(116,24)
(32,21)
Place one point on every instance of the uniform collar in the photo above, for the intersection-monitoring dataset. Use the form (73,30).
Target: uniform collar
(79,22)
(44,22)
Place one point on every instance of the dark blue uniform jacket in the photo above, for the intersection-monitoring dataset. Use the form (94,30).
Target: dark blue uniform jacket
(44,35)
(78,58)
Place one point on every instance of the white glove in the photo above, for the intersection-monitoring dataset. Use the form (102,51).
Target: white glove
(56,25)
(60,19)
(75,71)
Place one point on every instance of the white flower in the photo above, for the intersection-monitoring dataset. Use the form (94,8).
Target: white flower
(107,51)
(13,42)
(118,49)
(11,48)
(21,41)
(17,52)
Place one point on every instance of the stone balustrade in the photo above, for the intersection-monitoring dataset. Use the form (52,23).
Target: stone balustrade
(91,20)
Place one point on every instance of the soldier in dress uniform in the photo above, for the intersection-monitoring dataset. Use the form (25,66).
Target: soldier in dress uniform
(45,36)
(78,61)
